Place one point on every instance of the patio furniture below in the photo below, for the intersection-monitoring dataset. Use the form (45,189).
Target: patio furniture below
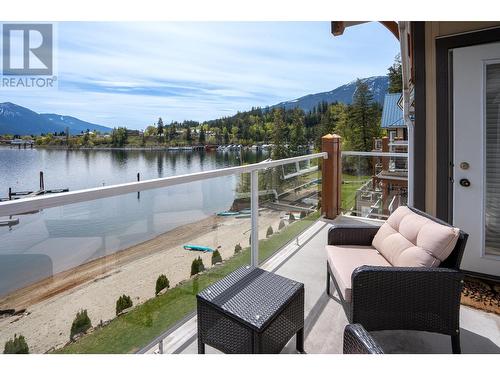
(402,276)
(251,311)
(357,340)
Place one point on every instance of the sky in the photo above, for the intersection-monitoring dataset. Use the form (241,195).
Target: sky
(129,74)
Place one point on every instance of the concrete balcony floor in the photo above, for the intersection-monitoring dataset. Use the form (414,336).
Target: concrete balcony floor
(305,261)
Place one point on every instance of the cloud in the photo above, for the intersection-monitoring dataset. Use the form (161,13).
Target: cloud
(130,73)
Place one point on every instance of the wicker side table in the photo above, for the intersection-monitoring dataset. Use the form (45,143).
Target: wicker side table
(251,311)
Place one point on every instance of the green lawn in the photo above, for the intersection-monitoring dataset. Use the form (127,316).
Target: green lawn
(349,188)
(134,330)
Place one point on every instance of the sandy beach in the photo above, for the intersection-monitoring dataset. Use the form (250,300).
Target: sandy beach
(51,304)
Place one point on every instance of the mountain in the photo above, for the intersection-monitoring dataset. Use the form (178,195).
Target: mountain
(15,119)
(344,94)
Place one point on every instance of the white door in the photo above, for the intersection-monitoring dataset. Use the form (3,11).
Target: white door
(476,148)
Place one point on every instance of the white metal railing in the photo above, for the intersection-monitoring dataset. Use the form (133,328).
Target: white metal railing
(19,206)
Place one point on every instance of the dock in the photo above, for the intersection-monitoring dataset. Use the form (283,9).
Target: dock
(29,194)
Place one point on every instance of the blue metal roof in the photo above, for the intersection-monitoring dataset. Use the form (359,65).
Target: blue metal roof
(392,115)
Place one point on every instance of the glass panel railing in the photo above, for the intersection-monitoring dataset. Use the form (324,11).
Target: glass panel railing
(288,204)
(112,257)
(373,184)
(59,261)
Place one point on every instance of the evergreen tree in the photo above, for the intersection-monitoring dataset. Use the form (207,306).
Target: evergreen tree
(17,345)
(189,138)
(363,119)
(279,150)
(226,136)
(297,135)
(161,283)
(172,134)
(159,127)
(395,76)
(201,137)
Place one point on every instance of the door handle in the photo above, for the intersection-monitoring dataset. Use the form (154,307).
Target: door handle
(464,182)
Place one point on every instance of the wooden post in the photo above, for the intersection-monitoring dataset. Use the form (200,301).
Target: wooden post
(385,159)
(331,183)
(138,179)
(42,184)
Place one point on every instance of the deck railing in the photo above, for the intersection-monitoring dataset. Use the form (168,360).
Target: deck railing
(82,227)
(374,183)
(20,206)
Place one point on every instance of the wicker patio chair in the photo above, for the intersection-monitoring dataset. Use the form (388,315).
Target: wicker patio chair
(385,297)
(357,340)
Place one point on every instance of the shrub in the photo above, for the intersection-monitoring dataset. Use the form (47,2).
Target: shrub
(303,214)
(161,283)
(269,232)
(124,302)
(237,248)
(281,225)
(291,217)
(197,266)
(81,323)
(201,266)
(216,257)
(17,345)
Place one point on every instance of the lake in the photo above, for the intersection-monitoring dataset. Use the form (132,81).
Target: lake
(59,238)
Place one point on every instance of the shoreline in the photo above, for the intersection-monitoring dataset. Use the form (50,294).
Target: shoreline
(22,298)
(52,303)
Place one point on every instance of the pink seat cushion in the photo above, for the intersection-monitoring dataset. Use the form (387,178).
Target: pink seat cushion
(343,260)
(407,239)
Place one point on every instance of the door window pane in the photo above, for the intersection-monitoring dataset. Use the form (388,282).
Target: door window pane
(492,188)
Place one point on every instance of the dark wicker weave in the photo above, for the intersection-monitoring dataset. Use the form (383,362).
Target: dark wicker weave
(251,311)
(357,340)
(390,298)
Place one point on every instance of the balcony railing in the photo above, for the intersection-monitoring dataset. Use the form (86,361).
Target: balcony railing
(374,183)
(83,249)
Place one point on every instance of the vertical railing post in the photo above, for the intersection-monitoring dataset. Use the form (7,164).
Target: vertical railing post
(254,206)
(331,180)
(160,346)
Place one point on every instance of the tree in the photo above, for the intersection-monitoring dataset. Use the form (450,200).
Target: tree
(297,134)
(281,225)
(189,138)
(17,345)
(159,128)
(363,119)
(197,266)
(119,137)
(279,135)
(334,120)
(395,75)
(161,283)
(237,248)
(201,138)
(81,323)
(123,302)
(150,131)
(216,257)
(269,232)
(226,136)
(172,134)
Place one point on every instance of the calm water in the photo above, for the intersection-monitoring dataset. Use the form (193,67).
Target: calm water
(59,238)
